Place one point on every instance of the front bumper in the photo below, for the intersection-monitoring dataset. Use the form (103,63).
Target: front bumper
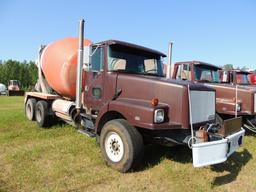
(214,152)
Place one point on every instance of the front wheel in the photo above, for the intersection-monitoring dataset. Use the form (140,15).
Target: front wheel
(121,145)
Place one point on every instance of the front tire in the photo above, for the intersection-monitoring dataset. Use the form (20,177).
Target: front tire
(30,109)
(41,113)
(121,145)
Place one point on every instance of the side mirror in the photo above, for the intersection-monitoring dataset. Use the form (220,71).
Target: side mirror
(87,58)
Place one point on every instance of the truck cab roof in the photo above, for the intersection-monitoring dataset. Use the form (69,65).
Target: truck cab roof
(238,71)
(131,45)
(198,63)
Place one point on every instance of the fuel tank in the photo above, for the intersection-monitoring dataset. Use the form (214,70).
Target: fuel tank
(59,65)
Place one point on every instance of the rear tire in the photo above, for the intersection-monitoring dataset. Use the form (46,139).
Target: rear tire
(121,145)
(30,109)
(41,114)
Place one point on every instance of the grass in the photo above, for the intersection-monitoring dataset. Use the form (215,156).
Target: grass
(61,159)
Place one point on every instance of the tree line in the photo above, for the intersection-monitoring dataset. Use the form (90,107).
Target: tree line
(25,72)
(231,67)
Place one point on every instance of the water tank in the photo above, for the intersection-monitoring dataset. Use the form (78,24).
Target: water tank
(59,65)
(2,89)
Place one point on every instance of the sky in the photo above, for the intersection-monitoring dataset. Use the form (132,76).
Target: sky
(217,31)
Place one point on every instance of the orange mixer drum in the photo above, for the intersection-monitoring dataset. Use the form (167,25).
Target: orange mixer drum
(59,65)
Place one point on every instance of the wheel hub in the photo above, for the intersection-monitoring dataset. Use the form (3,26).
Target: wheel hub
(114,147)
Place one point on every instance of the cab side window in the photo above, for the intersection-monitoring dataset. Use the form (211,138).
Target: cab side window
(178,74)
(97,59)
(224,76)
(184,72)
(150,66)
(119,64)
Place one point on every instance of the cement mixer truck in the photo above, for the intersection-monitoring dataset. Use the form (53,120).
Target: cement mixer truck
(14,88)
(115,91)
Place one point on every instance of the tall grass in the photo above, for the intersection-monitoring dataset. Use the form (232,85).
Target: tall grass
(61,159)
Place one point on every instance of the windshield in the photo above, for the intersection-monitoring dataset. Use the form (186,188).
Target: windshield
(134,61)
(14,82)
(242,78)
(205,73)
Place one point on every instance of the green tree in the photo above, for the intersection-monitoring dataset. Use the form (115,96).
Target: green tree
(25,72)
(228,67)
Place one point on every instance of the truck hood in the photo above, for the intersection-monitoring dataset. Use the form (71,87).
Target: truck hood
(173,82)
(230,86)
(226,98)
(169,92)
(249,87)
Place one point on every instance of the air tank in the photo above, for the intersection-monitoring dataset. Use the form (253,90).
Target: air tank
(59,65)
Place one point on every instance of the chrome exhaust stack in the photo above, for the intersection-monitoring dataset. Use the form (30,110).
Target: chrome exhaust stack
(80,65)
(169,65)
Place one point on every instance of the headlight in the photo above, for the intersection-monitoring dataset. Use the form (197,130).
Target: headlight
(159,116)
(238,107)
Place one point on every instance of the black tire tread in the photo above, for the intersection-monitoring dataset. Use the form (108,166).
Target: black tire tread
(45,116)
(33,102)
(136,144)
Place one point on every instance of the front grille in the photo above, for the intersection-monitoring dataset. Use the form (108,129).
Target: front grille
(202,106)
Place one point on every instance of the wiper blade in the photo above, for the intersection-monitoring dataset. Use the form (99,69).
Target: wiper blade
(125,71)
(137,73)
(152,74)
(204,81)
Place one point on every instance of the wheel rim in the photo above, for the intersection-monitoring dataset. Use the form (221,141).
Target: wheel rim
(39,115)
(114,147)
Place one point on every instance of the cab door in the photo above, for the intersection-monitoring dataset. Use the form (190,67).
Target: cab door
(94,81)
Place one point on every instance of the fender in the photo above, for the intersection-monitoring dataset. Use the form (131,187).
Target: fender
(139,113)
(228,106)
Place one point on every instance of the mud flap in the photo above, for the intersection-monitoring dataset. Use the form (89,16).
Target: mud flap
(214,152)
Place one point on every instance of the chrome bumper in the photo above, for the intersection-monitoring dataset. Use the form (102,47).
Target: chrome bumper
(214,152)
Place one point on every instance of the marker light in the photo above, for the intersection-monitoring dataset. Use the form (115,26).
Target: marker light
(154,102)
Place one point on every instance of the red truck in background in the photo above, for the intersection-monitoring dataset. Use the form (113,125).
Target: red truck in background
(115,91)
(235,77)
(253,78)
(234,95)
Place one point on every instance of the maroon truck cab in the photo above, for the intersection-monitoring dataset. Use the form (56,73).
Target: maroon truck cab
(135,86)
